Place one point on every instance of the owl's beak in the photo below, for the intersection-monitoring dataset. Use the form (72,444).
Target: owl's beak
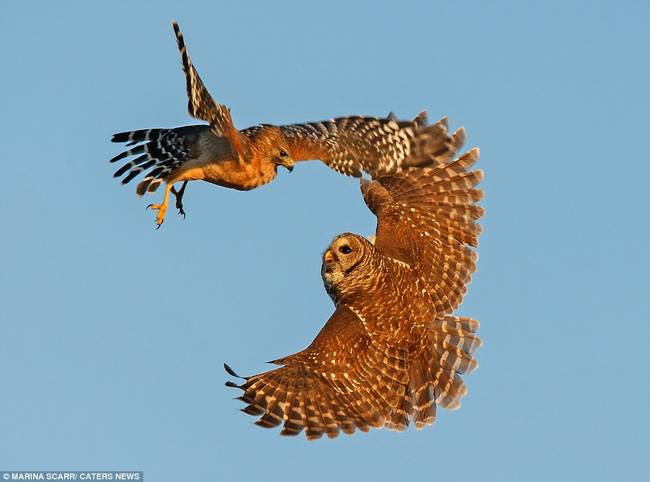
(329,256)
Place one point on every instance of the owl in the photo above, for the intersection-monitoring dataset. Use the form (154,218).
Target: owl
(392,351)
(219,153)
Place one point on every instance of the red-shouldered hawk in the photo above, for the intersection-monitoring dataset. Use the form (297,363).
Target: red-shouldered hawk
(243,160)
(391,351)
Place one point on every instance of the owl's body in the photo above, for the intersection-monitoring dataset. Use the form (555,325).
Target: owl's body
(391,351)
(394,282)
(245,159)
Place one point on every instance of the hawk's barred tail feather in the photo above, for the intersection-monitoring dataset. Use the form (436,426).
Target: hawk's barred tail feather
(162,150)
(133,137)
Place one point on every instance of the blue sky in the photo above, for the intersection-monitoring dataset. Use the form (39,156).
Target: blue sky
(113,335)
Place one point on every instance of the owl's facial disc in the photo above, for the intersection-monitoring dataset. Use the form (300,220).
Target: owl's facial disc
(342,255)
(339,262)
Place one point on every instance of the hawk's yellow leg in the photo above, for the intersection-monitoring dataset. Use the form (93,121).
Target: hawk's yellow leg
(162,208)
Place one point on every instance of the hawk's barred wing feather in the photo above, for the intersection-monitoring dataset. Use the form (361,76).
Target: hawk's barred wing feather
(353,145)
(163,150)
(201,105)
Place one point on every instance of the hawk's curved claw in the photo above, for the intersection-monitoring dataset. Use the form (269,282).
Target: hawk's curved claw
(162,209)
(179,198)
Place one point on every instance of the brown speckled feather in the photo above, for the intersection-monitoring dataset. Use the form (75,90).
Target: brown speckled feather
(391,352)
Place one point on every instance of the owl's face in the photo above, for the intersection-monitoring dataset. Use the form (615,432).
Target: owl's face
(343,262)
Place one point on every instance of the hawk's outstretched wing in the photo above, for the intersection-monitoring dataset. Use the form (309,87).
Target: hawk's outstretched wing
(342,381)
(201,105)
(355,144)
(426,218)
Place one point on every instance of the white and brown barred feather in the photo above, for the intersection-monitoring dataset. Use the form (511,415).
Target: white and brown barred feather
(350,145)
(343,381)
(162,151)
(427,219)
(350,377)
(353,145)
(200,104)
(434,378)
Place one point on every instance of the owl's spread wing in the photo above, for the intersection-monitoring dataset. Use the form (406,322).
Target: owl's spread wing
(427,219)
(201,105)
(342,381)
(352,145)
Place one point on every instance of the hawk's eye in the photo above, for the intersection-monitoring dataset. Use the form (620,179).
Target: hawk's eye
(283,153)
(345,249)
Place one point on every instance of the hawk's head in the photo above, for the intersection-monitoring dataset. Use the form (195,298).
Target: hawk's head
(271,143)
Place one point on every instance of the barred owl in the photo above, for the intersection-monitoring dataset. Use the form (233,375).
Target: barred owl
(391,351)
(221,154)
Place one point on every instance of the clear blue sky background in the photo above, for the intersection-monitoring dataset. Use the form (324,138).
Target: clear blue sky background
(113,335)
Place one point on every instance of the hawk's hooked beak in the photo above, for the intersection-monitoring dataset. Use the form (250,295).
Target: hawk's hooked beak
(286,162)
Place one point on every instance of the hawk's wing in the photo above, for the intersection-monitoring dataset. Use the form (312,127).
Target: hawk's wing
(201,105)
(352,145)
(426,218)
(342,381)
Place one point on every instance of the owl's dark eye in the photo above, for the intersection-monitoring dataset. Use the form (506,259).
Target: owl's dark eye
(283,153)
(345,249)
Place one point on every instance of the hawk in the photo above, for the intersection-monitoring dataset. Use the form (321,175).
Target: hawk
(392,350)
(221,154)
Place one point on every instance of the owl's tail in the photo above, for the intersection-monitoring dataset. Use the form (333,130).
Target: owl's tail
(435,374)
(160,150)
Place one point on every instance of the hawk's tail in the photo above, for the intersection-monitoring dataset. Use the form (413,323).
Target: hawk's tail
(160,150)
(435,374)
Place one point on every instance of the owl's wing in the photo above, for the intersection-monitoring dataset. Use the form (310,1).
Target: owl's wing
(201,105)
(352,145)
(427,218)
(342,381)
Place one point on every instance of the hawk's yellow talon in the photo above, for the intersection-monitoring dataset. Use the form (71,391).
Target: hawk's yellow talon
(162,211)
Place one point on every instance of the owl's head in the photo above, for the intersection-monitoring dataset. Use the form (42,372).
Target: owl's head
(344,264)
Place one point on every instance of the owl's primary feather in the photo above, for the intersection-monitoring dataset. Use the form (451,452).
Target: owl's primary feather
(244,159)
(392,351)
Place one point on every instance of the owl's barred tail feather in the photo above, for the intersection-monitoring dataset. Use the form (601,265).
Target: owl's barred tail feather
(161,150)
(434,376)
